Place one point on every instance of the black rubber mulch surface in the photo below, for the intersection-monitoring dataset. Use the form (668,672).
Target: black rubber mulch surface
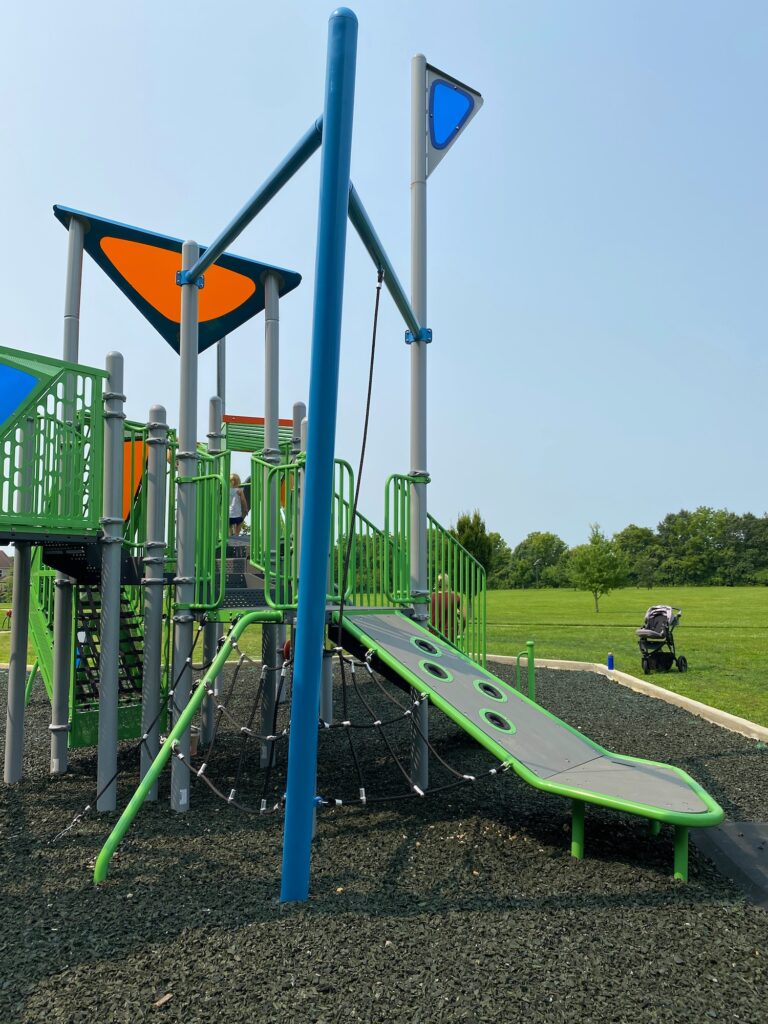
(461,907)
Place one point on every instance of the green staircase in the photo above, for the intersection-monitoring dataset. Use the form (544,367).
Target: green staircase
(86,626)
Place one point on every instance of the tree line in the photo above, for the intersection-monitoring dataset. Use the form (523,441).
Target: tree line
(706,547)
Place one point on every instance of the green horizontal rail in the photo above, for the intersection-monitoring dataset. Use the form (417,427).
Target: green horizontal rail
(249,437)
(182,724)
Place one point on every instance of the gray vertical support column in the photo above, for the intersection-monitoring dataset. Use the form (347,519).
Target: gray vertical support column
(270,655)
(212,631)
(418,523)
(62,606)
(17,666)
(185,523)
(112,539)
(221,374)
(154,569)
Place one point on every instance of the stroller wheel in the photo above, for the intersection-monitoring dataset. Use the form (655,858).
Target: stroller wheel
(646,666)
(682,664)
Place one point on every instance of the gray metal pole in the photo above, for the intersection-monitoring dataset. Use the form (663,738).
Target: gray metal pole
(270,656)
(17,667)
(212,631)
(418,523)
(112,539)
(154,566)
(63,594)
(299,414)
(185,523)
(221,375)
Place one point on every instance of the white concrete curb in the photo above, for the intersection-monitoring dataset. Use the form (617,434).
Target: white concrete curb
(714,715)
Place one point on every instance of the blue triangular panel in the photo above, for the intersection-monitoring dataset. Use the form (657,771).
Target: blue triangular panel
(449,108)
(15,386)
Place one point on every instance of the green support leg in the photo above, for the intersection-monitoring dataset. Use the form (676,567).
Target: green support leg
(577,829)
(30,684)
(654,827)
(531,670)
(681,853)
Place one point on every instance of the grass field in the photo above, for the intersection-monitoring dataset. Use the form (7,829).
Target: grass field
(723,634)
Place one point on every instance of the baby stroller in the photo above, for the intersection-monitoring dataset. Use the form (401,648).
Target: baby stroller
(656,634)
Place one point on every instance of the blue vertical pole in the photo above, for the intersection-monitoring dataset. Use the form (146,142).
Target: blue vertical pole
(323,396)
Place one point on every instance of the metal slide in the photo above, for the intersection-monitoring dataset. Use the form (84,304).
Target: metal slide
(543,750)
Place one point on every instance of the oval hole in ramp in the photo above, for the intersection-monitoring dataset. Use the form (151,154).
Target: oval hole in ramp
(489,689)
(435,671)
(498,721)
(426,646)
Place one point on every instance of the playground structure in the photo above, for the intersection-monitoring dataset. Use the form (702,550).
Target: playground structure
(121,549)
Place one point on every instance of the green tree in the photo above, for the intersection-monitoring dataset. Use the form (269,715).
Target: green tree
(597,566)
(639,547)
(500,570)
(471,533)
(538,560)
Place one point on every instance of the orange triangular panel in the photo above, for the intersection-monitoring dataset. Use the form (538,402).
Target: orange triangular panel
(144,264)
(152,272)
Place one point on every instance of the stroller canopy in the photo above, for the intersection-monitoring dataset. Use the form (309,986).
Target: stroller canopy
(660,619)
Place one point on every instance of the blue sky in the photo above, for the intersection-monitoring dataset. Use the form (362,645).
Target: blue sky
(597,275)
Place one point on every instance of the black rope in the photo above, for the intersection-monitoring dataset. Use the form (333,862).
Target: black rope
(350,538)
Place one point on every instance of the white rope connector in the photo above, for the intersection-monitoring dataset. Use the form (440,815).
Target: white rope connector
(469,778)
(362,795)
(231,797)
(347,724)
(419,792)
(201,769)
(263,808)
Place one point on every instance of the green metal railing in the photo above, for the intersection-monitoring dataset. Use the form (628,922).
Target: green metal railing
(397,527)
(51,450)
(275,537)
(41,616)
(368,569)
(275,529)
(211,528)
(342,532)
(457,586)
(455,580)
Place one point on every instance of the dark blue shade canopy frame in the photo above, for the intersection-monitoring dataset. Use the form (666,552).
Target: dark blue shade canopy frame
(449,109)
(210,331)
